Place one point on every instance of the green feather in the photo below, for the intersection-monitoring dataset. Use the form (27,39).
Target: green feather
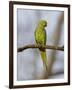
(44,59)
(40,37)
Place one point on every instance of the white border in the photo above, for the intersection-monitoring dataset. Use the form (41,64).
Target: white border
(15,46)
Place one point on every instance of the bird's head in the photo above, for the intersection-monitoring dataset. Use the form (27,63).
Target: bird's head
(43,23)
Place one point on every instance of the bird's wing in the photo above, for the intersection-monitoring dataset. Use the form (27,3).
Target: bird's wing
(44,37)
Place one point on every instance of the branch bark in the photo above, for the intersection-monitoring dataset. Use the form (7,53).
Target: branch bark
(33,46)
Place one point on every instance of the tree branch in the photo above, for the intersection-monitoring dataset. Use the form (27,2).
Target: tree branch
(40,46)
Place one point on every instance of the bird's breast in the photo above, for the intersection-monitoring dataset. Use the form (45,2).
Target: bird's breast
(39,36)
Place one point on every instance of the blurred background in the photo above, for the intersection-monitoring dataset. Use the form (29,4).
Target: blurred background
(29,62)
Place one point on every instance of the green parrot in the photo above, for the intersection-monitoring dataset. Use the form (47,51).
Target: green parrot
(40,38)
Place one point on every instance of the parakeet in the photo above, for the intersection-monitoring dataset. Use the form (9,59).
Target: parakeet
(40,38)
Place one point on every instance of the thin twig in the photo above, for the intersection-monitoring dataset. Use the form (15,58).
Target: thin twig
(40,46)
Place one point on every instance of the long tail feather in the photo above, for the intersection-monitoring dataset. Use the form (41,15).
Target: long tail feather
(44,59)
